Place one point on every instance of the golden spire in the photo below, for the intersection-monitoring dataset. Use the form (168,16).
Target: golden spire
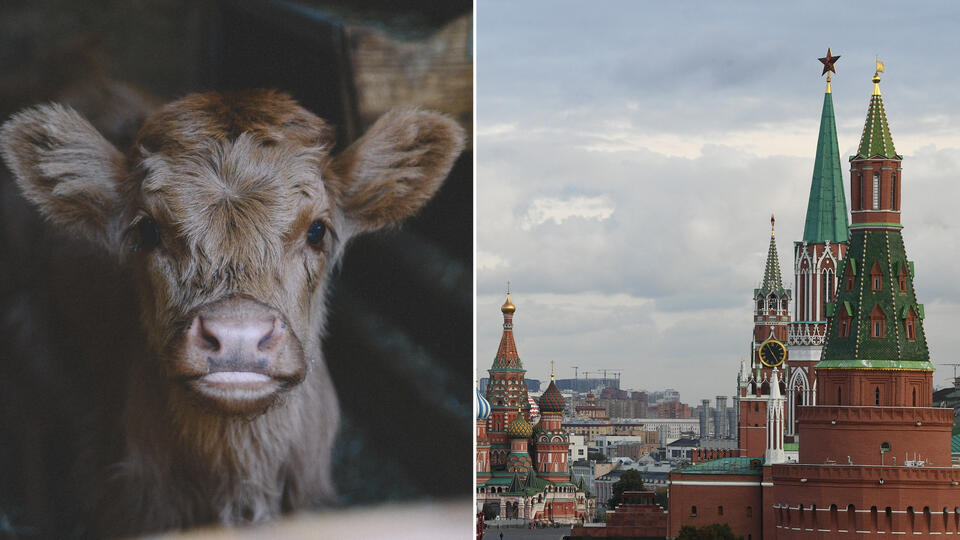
(551,370)
(876,78)
(772,221)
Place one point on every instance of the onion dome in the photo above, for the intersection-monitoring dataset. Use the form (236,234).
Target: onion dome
(519,428)
(508,307)
(483,406)
(534,409)
(551,401)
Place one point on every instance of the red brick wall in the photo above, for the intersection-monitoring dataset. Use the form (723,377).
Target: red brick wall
(917,498)
(859,386)
(742,504)
(837,432)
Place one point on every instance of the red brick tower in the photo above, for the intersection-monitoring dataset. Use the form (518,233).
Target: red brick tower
(816,259)
(551,440)
(771,308)
(874,455)
(876,355)
(507,391)
(771,316)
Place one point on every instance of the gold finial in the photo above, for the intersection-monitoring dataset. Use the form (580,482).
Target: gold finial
(508,307)
(551,370)
(772,221)
(876,77)
(828,62)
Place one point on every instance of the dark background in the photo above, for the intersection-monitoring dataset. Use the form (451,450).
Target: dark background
(400,340)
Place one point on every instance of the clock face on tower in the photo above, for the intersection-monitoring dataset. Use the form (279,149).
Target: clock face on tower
(772,353)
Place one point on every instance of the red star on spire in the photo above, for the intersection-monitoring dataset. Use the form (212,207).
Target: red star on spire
(828,62)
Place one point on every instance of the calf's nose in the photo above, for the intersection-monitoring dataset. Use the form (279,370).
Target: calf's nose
(237,342)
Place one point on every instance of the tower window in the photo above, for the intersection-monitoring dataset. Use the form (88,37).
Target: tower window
(849,279)
(877,329)
(876,191)
(876,277)
(693,511)
(877,395)
(893,191)
(910,324)
(827,286)
(719,510)
(861,202)
(877,322)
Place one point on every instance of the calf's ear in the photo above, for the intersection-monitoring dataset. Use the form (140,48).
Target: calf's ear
(396,167)
(67,169)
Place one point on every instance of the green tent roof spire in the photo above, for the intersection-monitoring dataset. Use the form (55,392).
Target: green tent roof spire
(772,278)
(827,218)
(876,140)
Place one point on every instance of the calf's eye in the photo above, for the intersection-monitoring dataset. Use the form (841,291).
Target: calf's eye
(146,235)
(316,233)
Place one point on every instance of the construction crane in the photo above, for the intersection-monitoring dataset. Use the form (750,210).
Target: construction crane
(955,366)
(575,368)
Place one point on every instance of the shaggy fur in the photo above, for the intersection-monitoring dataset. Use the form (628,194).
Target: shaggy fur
(233,182)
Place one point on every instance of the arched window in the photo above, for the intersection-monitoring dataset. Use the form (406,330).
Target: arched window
(877,395)
(720,508)
(693,511)
(839,395)
(849,276)
(749,511)
(914,397)
(911,519)
(827,287)
(876,192)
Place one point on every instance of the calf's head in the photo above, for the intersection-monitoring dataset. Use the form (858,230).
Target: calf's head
(230,212)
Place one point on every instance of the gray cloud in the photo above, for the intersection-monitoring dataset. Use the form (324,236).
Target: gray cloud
(694,121)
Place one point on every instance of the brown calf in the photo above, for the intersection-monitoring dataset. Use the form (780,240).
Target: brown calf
(228,213)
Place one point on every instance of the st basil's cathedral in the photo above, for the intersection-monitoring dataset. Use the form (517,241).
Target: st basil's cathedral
(521,459)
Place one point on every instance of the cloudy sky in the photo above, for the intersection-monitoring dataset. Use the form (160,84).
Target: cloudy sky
(630,154)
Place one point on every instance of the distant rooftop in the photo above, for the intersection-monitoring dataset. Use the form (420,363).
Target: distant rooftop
(729,465)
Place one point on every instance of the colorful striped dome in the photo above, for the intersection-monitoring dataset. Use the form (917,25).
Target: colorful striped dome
(551,401)
(519,428)
(483,406)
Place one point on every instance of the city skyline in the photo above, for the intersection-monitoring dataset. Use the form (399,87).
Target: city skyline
(626,179)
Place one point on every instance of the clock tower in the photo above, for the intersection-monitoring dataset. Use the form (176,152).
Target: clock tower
(771,315)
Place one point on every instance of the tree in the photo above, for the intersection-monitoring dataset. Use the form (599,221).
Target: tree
(714,531)
(629,481)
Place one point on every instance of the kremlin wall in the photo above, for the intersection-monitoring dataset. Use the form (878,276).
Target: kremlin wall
(836,432)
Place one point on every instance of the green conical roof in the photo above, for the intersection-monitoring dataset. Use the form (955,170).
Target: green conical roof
(872,250)
(827,208)
(772,278)
(876,140)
